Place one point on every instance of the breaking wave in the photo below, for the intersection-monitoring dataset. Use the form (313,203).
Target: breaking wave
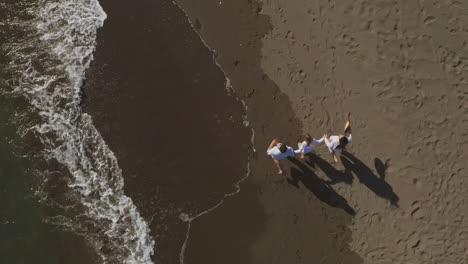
(47,61)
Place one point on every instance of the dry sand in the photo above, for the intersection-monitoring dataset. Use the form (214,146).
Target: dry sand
(398,70)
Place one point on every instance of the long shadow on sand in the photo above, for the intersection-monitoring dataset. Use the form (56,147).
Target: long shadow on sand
(330,171)
(320,188)
(366,176)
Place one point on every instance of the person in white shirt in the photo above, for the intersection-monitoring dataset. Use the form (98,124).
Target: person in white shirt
(336,144)
(279,151)
(308,145)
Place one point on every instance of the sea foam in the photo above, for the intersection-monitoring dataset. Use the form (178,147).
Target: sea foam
(48,66)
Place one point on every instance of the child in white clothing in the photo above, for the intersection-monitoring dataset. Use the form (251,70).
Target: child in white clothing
(308,145)
(336,144)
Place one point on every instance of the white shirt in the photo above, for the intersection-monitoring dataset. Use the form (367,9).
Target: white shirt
(276,154)
(335,141)
(304,148)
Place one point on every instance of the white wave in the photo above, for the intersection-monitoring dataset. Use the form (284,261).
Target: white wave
(66,32)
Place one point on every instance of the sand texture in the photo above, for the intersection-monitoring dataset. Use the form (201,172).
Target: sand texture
(398,71)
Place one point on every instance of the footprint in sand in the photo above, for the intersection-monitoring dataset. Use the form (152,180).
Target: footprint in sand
(429,20)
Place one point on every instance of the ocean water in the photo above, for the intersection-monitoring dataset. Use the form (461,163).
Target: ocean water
(46,48)
(73,193)
(25,236)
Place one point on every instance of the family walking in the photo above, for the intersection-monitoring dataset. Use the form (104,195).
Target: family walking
(335,144)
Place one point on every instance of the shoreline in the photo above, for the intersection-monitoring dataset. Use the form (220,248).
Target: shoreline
(382,66)
(184,217)
(185,93)
(173,73)
(241,254)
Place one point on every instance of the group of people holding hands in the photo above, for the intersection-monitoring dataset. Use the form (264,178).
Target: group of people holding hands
(335,144)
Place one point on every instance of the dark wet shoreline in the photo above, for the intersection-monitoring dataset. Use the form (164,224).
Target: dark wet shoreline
(255,226)
(160,102)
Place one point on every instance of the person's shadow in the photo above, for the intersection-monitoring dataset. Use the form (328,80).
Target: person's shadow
(319,187)
(366,176)
(330,171)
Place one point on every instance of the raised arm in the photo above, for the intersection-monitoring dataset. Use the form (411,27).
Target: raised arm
(272,144)
(347,131)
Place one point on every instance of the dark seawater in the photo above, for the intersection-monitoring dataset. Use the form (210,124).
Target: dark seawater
(24,235)
(28,233)
(115,178)
(62,187)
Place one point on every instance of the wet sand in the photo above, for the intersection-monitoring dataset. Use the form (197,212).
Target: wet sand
(160,101)
(398,72)
(272,220)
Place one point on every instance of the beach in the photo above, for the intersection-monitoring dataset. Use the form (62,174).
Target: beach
(178,134)
(397,72)
(137,133)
